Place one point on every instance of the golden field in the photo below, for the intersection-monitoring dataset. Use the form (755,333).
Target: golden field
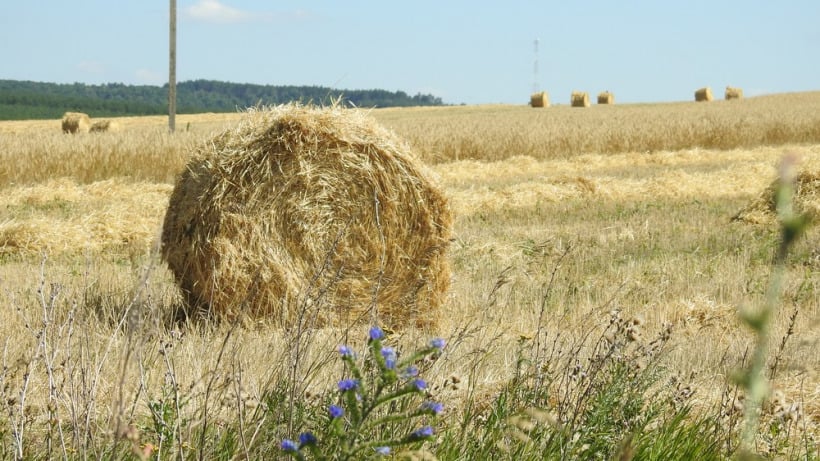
(563,215)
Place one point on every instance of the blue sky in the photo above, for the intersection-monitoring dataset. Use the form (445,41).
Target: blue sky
(469,52)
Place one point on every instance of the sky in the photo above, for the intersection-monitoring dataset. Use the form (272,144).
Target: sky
(465,52)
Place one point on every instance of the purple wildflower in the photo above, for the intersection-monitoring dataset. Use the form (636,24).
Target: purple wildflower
(336,411)
(419,384)
(433,407)
(438,343)
(345,351)
(383,451)
(423,433)
(348,384)
(388,352)
(410,372)
(289,445)
(376,333)
(389,355)
(306,438)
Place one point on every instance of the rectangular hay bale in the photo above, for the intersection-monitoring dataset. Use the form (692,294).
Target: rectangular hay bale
(541,99)
(579,99)
(733,93)
(703,94)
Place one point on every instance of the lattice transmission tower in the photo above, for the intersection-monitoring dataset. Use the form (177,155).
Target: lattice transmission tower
(535,87)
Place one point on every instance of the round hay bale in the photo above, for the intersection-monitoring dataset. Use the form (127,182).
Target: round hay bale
(703,94)
(102,126)
(606,98)
(733,93)
(806,200)
(305,210)
(579,99)
(541,99)
(76,122)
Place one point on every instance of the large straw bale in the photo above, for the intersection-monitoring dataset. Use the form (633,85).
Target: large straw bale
(606,97)
(101,126)
(541,99)
(300,209)
(733,93)
(703,94)
(579,99)
(76,122)
(763,209)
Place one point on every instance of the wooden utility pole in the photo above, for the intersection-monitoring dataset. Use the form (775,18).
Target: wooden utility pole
(172,69)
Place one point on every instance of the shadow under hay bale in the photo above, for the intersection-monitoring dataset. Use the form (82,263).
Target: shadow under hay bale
(763,209)
(76,122)
(305,210)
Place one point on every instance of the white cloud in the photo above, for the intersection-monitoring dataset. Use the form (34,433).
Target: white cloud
(150,77)
(214,11)
(91,67)
(296,15)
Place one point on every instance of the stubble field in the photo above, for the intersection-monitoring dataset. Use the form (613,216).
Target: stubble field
(564,220)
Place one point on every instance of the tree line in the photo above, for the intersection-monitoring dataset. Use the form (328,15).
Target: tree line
(24,100)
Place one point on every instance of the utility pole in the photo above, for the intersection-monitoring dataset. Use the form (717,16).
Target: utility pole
(172,68)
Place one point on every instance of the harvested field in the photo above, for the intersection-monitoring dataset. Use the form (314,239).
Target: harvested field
(563,220)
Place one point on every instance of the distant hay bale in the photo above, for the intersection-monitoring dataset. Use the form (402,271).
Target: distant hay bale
(703,94)
(101,126)
(299,207)
(579,99)
(763,209)
(76,122)
(541,99)
(606,98)
(733,93)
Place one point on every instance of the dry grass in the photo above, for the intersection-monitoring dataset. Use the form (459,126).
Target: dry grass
(60,216)
(493,133)
(548,239)
(762,210)
(33,152)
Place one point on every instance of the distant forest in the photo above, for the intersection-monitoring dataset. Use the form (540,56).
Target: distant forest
(24,100)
